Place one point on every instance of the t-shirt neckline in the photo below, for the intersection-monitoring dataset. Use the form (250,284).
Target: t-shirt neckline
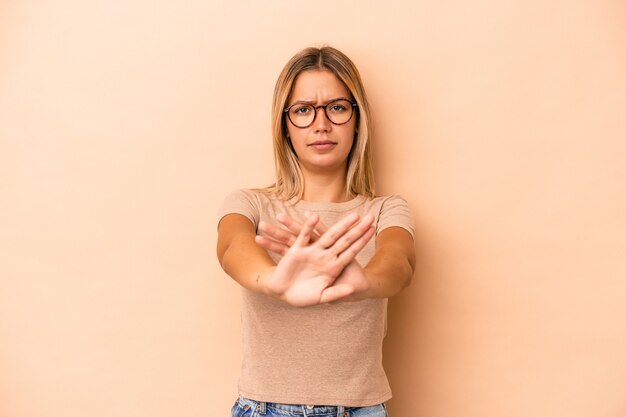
(329,206)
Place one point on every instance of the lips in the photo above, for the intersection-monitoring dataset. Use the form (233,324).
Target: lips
(323,142)
(322,145)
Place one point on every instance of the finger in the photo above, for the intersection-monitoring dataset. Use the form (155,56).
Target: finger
(353,250)
(320,228)
(338,230)
(352,235)
(271,245)
(336,292)
(295,227)
(304,237)
(292,225)
(277,233)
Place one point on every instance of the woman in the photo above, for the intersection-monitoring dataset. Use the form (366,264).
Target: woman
(316,283)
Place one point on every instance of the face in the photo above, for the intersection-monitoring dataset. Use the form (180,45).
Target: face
(322,146)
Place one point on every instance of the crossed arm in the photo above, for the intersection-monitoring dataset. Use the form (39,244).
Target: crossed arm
(318,263)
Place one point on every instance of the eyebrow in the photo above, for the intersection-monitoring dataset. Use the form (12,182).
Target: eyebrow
(313,102)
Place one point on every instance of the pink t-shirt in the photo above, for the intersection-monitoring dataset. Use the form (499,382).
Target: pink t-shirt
(328,354)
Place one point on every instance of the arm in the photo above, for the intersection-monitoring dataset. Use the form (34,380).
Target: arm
(392,266)
(239,255)
(307,273)
(389,271)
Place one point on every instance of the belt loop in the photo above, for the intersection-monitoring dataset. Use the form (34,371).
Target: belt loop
(261,407)
(340,411)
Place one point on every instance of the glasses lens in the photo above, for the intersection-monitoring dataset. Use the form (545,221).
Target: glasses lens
(301,115)
(339,111)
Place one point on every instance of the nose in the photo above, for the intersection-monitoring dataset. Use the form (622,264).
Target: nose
(321,123)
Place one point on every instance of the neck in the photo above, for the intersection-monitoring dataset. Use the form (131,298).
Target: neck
(325,187)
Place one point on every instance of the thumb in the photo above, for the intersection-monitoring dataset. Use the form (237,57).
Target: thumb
(336,292)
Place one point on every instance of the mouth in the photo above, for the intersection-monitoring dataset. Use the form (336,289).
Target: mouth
(322,145)
(323,142)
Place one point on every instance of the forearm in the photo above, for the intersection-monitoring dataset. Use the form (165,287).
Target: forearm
(386,276)
(392,266)
(247,264)
(240,257)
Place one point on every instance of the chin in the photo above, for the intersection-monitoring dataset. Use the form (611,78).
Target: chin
(329,166)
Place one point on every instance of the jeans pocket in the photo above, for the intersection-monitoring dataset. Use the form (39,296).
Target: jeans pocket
(379,410)
(235,410)
(238,410)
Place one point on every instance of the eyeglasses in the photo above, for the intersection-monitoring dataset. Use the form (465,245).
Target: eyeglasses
(338,111)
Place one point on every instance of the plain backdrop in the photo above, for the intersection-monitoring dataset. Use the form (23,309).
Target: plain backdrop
(124,123)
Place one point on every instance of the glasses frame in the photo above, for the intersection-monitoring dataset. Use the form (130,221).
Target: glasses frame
(355,107)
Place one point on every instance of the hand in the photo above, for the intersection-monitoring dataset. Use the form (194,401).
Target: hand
(346,236)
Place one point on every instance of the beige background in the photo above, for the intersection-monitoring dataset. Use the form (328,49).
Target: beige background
(124,123)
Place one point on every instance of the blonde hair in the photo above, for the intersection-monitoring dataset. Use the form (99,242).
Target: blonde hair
(289,178)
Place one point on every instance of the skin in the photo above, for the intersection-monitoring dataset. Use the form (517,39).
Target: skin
(324,170)
(318,262)
(394,255)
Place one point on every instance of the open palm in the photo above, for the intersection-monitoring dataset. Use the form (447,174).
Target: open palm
(317,268)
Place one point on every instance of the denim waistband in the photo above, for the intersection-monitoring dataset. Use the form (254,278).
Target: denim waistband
(296,409)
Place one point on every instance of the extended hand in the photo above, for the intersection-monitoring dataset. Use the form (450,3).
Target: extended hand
(318,264)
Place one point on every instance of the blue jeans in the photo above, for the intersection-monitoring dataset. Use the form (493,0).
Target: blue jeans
(245,407)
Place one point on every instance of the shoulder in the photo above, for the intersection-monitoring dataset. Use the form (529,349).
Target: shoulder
(252,203)
(391,200)
(393,211)
(240,196)
(252,195)
(388,203)
(242,193)
(242,201)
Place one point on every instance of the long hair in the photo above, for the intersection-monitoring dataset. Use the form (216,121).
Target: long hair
(289,178)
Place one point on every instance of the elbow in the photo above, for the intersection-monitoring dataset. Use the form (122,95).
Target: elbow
(403,278)
(410,268)
(223,256)
(409,271)
(408,278)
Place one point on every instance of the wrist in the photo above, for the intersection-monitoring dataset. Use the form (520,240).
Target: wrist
(370,287)
(262,282)
(360,280)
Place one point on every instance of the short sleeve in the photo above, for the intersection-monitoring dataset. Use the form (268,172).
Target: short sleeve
(244,202)
(395,211)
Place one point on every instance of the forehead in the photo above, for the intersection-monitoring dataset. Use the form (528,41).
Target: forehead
(318,85)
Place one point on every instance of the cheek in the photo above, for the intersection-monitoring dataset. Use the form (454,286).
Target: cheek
(350,137)
(290,131)
(296,139)
(294,133)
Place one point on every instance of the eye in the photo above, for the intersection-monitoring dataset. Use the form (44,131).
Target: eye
(301,110)
(339,107)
